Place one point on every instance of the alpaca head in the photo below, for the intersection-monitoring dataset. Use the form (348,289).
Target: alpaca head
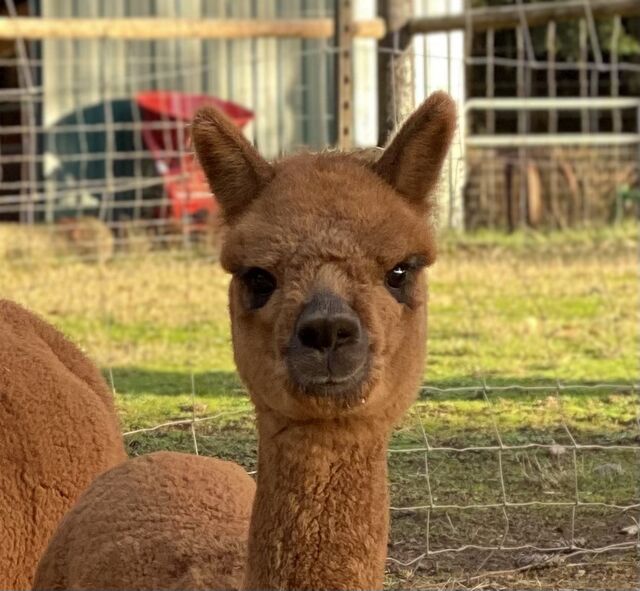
(327,252)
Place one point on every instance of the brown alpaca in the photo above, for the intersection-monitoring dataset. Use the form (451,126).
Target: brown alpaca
(328,311)
(160,521)
(58,431)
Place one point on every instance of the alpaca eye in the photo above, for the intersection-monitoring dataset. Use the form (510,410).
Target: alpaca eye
(259,284)
(400,281)
(397,277)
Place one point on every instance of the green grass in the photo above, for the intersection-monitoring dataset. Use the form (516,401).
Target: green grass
(527,309)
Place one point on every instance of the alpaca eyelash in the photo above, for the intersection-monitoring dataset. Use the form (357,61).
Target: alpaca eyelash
(415,262)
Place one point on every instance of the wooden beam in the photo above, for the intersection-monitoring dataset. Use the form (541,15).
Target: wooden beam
(522,191)
(508,17)
(164,28)
(583,73)
(552,82)
(490,79)
(552,126)
(504,17)
(373,28)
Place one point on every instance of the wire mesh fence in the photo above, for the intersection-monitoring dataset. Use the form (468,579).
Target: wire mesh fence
(99,127)
(512,462)
(522,452)
(541,507)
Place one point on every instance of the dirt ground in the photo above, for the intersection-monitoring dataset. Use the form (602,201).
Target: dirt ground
(530,569)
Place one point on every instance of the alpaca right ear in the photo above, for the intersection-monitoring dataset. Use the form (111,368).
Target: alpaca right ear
(412,162)
(234,169)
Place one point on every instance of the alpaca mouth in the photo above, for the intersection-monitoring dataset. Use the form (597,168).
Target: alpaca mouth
(328,385)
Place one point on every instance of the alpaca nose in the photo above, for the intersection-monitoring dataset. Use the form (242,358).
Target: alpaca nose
(319,330)
(329,347)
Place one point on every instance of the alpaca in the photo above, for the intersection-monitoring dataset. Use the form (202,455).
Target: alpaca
(58,431)
(194,512)
(328,313)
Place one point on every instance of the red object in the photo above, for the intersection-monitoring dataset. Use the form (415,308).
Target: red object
(165,115)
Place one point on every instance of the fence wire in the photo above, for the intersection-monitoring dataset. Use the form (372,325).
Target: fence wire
(526,551)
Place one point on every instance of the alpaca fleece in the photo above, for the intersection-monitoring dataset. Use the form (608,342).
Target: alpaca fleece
(162,521)
(320,519)
(58,431)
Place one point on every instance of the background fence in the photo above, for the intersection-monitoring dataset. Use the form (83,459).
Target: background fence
(553,105)
(519,463)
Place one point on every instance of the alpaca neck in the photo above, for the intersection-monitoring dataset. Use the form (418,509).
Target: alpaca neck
(320,517)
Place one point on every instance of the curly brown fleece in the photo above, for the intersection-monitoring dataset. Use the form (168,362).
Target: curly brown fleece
(181,523)
(58,431)
(336,223)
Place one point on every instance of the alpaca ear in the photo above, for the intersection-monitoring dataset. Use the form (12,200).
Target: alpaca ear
(412,162)
(234,169)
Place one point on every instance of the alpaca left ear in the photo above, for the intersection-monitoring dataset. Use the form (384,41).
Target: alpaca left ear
(412,162)
(234,169)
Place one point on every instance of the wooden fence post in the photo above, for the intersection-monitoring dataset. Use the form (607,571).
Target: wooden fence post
(344,73)
(395,67)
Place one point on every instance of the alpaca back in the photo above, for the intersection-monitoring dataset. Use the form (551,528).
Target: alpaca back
(164,520)
(58,431)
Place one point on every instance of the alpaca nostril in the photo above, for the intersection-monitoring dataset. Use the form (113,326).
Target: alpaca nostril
(312,334)
(328,332)
(346,331)
(342,335)
(327,323)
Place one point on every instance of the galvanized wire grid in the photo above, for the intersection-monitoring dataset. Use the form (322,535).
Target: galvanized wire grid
(573,447)
(51,174)
(549,553)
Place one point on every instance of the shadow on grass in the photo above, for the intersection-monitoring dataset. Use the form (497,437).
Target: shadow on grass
(605,416)
(132,381)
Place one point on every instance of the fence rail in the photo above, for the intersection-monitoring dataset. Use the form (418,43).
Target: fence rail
(491,18)
(140,29)
(509,17)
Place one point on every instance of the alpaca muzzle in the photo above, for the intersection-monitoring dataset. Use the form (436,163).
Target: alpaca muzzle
(329,348)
